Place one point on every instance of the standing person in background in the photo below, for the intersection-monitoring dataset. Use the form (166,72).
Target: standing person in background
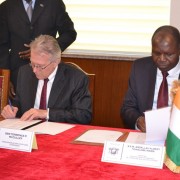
(18,29)
(148,74)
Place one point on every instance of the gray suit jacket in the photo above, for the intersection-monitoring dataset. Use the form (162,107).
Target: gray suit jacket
(69,99)
(140,93)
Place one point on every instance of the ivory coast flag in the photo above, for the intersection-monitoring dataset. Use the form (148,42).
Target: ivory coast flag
(172,159)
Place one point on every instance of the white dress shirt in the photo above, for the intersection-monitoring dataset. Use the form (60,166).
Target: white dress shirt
(26,4)
(39,90)
(173,75)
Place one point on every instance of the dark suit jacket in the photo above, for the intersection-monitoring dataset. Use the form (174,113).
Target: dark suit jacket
(140,93)
(69,99)
(49,17)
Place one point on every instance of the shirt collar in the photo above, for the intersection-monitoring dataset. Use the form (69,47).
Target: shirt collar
(175,70)
(52,75)
(26,4)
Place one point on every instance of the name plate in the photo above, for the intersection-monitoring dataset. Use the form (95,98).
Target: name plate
(133,154)
(17,140)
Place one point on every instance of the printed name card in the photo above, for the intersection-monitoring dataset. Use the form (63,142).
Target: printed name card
(133,154)
(17,140)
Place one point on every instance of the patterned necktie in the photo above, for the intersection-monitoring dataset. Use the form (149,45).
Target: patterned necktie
(163,92)
(29,9)
(43,95)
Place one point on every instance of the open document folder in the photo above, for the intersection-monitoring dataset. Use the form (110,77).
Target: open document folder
(51,128)
(37,126)
(17,123)
(95,136)
(157,123)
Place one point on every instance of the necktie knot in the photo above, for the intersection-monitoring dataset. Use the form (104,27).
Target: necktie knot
(46,81)
(165,74)
(28,1)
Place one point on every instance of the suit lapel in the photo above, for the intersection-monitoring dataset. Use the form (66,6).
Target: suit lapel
(179,77)
(152,81)
(20,10)
(57,86)
(33,86)
(38,8)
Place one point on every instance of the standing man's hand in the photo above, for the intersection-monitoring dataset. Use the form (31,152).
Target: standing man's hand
(25,54)
(141,125)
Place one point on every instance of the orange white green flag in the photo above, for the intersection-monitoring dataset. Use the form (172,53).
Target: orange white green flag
(172,160)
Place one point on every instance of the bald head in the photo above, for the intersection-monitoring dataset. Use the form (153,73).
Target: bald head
(166,47)
(163,33)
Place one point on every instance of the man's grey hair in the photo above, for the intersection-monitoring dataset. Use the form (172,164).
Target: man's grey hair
(48,45)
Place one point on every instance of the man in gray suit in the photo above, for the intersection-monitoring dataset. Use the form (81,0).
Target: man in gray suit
(146,76)
(17,30)
(68,98)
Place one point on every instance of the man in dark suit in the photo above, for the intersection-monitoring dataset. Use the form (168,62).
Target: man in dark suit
(146,76)
(67,97)
(17,31)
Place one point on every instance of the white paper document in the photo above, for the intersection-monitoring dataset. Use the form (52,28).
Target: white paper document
(99,136)
(157,123)
(51,128)
(136,137)
(17,123)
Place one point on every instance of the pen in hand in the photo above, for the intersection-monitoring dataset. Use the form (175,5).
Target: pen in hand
(10,104)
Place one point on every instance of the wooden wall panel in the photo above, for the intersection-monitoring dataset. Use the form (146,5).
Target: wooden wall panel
(111,83)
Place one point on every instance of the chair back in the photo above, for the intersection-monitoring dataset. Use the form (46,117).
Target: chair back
(91,83)
(4,87)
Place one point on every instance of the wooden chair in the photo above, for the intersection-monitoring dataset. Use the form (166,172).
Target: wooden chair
(91,83)
(4,87)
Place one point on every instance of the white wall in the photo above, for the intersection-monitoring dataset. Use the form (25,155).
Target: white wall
(174,14)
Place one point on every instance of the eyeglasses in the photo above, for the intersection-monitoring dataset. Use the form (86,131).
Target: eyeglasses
(39,66)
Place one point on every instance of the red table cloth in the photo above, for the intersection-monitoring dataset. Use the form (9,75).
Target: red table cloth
(58,158)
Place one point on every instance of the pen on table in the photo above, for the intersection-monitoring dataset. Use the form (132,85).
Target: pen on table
(10,104)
